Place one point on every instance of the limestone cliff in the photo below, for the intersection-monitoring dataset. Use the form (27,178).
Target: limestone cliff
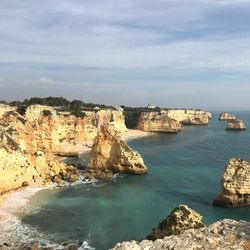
(21,163)
(18,169)
(209,114)
(5,108)
(66,134)
(189,116)
(235,125)
(28,142)
(42,128)
(181,218)
(170,120)
(158,122)
(235,185)
(226,116)
(221,235)
(111,152)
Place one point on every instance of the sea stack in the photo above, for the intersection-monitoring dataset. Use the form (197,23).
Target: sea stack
(110,152)
(235,185)
(181,218)
(226,116)
(236,125)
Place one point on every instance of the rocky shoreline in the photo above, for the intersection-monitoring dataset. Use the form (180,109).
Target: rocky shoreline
(183,229)
(29,143)
(221,235)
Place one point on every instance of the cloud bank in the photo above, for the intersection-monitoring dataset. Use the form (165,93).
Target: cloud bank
(197,44)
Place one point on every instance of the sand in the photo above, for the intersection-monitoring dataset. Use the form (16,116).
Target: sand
(82,149)
(29,191)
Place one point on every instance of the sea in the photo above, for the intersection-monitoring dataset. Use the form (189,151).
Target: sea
(183,168)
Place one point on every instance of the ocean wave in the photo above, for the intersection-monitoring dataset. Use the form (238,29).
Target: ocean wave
(14,234)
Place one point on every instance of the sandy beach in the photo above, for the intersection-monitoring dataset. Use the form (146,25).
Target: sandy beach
(81,149)
(129,135)
(133,134)
(11,203)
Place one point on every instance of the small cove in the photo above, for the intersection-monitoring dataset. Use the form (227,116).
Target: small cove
(183,169)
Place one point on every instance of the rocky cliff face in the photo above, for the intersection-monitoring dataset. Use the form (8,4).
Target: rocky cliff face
(235,185)
(226,116)
(5,108)
(235,125)
(158,122)
(57,133)
(170,120)
(110,152)
(189,116)
(28,142)
(18,169)
(221,235)
(181,218)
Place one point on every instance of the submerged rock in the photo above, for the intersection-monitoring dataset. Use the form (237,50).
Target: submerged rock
(110,152)
(226,116)
(235,125)
(104,175)
(235,185)
(181,218)
(221,235)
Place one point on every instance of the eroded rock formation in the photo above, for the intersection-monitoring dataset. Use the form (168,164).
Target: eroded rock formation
(189,116)
(18,169)
(235,185)
(28,142)
(5,108)
(158,122)
(225,234)
(44,129)
(170,120)
(110,152)
(226,116)
(181,218)
(235,125)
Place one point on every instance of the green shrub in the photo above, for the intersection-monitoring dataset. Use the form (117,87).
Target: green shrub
(47,112)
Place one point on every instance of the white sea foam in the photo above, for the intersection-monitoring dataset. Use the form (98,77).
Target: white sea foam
(16,233)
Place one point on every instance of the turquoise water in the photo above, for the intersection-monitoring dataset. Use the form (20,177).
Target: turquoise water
(183,169)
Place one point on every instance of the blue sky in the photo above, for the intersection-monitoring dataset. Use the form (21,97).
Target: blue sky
(172,53)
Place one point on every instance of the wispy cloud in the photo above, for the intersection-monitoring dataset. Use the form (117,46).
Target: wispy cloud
(45,80)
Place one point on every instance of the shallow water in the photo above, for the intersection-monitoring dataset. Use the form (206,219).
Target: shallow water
(183,169)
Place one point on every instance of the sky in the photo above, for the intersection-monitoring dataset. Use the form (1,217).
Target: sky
(170,53)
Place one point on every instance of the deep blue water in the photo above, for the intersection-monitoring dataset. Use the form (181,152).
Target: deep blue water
(183,169)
